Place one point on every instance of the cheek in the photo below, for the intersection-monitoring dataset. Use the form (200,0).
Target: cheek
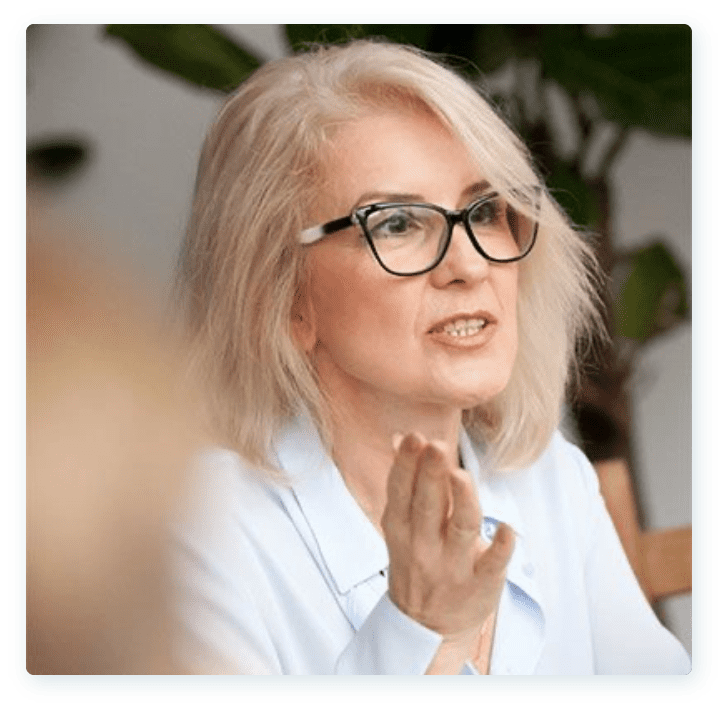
(337,301)
(510,299)
(358,309)
(501,357)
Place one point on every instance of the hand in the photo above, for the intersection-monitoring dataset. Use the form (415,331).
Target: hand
(442,574)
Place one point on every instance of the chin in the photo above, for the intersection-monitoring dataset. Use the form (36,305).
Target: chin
(479,400)
(469,398)
(471,383)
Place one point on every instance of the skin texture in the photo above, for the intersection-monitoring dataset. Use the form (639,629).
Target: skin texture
(388,370)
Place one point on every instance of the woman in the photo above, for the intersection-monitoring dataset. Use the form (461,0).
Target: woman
(387,301)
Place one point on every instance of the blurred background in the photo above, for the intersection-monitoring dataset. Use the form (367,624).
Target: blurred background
(116,116)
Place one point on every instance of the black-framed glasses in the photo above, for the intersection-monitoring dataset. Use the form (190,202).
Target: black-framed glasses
(408,239)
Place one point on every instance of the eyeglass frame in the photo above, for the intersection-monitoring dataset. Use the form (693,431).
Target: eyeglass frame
(359,217)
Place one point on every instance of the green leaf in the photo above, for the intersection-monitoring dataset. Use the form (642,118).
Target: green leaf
(640,75)
(574,194)
(199,54)
(654,297)
(484,48)
(494,45)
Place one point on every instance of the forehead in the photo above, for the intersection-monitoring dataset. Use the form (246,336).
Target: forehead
(396,151)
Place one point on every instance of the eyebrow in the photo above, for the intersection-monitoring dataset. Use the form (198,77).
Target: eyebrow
(381,196)
(477,188)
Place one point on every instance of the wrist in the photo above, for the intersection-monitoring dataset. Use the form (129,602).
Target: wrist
(452,655)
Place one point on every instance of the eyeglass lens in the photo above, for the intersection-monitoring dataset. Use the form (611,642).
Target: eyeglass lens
(411,238)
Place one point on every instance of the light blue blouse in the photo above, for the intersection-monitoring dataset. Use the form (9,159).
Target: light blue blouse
(280,579)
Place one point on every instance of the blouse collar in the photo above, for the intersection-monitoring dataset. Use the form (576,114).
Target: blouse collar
(352,548)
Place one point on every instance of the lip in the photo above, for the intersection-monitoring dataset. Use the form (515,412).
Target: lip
(464,343)
(438,327)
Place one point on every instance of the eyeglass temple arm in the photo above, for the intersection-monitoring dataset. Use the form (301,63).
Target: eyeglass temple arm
(313,234)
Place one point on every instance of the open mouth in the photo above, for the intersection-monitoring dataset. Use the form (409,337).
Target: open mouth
(461,327)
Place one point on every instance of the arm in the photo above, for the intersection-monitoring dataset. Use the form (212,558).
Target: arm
(442,574)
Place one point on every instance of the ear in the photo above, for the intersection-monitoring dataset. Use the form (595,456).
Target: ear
(303,323)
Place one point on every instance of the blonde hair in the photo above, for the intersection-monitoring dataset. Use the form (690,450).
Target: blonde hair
(259,178)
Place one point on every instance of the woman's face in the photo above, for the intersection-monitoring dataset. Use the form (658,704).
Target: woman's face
(371,333)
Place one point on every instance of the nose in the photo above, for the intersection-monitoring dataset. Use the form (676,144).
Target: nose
(461,264)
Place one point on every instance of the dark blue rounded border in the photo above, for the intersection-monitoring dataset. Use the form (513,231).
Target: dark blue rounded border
(461,689)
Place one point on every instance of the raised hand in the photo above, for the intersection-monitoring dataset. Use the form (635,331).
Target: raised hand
(442,574)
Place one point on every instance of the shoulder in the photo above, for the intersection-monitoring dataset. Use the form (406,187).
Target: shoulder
(578,491)
(561,452)
(217,469)
(560,489)
(221,462)
(561,465)
(565,465)
(229,502)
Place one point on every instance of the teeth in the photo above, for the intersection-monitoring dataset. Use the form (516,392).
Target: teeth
(464,327)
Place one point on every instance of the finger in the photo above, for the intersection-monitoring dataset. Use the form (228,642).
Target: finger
(465,522)
(430,503)
(401,477)
(492,563)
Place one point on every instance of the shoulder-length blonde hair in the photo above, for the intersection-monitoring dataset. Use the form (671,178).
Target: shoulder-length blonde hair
(241,266)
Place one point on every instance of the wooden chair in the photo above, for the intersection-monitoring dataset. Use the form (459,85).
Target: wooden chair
(661,558)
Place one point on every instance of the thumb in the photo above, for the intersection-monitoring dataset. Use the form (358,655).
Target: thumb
(494,560)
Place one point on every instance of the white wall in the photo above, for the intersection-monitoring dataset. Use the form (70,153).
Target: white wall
(147,128)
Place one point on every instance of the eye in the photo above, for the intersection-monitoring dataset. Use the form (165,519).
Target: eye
(394,222)
(486,212)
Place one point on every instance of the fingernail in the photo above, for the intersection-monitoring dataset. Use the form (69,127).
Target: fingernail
(500,533)
(397,439)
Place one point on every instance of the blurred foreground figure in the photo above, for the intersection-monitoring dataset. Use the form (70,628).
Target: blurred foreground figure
(108,439)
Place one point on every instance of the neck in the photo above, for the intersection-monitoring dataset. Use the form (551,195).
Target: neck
(363,427)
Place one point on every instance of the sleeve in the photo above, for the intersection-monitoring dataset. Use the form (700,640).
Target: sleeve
(627,636)
(389,642)
(216,638)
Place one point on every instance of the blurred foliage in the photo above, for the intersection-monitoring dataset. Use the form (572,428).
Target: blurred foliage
(640,75)
(202,55)
(654,296)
